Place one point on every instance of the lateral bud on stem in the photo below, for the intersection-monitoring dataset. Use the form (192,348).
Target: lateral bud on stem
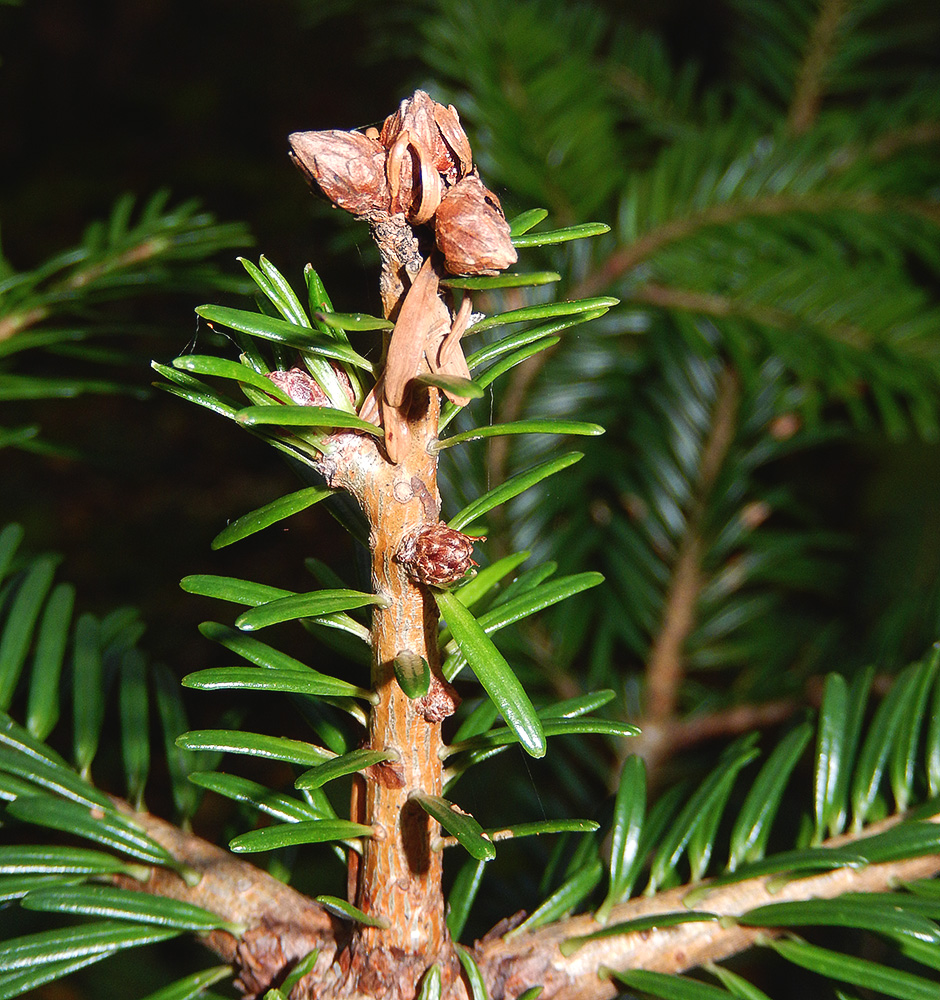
(436,555)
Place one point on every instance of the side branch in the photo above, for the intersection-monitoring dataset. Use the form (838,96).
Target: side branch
(629,256)
(282,925)
(510,966)
(664,669)
(679,734)
(18,321)
(722,306)
(625,258)
(811,79)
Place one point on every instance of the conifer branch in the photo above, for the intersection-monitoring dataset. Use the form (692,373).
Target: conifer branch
(16,322)
(774,211)
(811,79)
(721,306)
(893,141)
(511,408)
(659,740)
(282,924)
(536,958)
(709,304)
(665,670)
(629,256)
(663,115)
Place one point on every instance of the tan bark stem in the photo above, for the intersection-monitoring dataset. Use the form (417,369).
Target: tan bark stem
(515,964)
(399,877)
(282,925)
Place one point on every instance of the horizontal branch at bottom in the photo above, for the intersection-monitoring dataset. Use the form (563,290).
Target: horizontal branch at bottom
(537,959)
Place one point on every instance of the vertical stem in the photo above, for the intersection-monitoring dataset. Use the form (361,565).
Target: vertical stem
(400,876)
(398,879)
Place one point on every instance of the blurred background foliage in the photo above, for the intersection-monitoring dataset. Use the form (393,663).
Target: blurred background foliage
(815,507)
(563,101)
(98,99)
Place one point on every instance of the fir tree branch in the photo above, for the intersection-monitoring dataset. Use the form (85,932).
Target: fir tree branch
(282,924)
(658,741)
(709,304)
(511,407)
(664,670)
(893,141)
(723,306)
(627,257)
(811,79)
(164,249)
(18,321)
(662,115)
(535,958)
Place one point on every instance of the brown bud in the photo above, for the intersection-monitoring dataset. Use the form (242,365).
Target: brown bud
(440,702)
(471,230)
(436,555)
(300,386)
(348,167)
(435,129)
(303,388)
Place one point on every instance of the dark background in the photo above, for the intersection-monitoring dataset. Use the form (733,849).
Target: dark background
(100,98)
(97,98)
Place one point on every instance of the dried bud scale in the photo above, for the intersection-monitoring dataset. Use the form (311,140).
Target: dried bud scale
(348,167)
(471,231)
(300,386)
(419,165)
(303,388)
(435,128)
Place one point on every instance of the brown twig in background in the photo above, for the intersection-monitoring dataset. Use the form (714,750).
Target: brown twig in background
(658,741)
(893,141)
(664,669)
(626,257)
(722,306)
(661,739)
(810,82)
(17,321)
